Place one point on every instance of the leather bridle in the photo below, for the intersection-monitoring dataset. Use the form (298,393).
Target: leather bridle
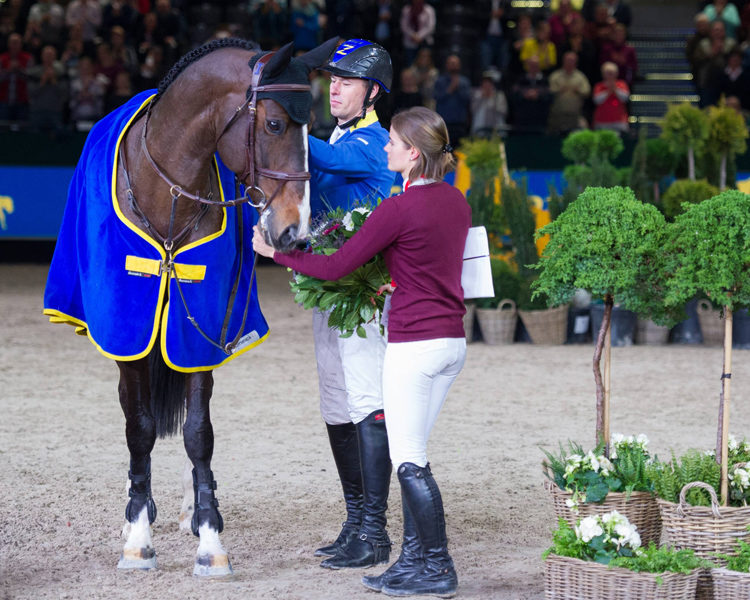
(251,170)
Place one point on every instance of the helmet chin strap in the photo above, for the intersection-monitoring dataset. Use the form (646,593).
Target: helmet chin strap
(365,105)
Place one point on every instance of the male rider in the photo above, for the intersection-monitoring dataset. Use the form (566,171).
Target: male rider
(348,170)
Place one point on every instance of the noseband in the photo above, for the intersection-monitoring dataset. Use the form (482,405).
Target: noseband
(251,170)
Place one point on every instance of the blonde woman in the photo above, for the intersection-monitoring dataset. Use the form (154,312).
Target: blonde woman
(421,234)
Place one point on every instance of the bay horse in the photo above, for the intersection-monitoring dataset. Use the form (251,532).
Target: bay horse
(161,192)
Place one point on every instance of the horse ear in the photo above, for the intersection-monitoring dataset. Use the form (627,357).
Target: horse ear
(279,61)
(317,56)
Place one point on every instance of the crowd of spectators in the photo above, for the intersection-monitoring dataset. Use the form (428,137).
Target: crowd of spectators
(66,63)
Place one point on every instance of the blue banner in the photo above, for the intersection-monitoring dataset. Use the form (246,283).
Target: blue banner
(32,201)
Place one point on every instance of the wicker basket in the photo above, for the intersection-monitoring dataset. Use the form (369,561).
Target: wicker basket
(712,325)
(706,530)
(640,509)
(573,579)
(730,585)
(548,326)
(651,334)
(469,322)
(498,325)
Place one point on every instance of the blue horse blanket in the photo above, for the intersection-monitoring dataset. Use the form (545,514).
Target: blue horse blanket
(106,277)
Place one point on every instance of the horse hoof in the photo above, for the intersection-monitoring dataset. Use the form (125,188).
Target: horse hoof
(214,565)
(137,558)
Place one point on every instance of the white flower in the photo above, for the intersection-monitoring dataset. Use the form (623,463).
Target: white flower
(617,438)
(732,444)
(628,535)
(570,503)
(642,440)
(593,461)
(347,220)
(589,528)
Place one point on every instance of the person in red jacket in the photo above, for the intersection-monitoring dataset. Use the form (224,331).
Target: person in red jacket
(14,94)
(611,100)
(421,234)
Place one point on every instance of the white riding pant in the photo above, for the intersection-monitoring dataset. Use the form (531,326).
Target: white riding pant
(350,371)
(416,379)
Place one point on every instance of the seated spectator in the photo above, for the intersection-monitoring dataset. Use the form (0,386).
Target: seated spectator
(711,59)
(560,21)
(726,12)
(14,94)
(385,23)
(48,92)
(106,68)
(120,13)
(152,69)
(427,75)
(323,123)
(489,107)
(735,80)
(494,47)
(87,14)
(269,24)
(570,88)
(122,52)
(619,12)
(304,25)
(618,51)
(146,36)
(600,28)
(702,29)
(47,22)
(611,101)
(122,91)
(417,25)
(170,30)
(541,47)
(73,51)
(408,94)
(524,30)
(452,97)
(584,48)
(86,96)
(530,99)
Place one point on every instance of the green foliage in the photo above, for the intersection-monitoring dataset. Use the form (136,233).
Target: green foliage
(685,127)
(685,190)
(528,299)
(484,159)
(727,131)
(707,249)
(565,542)
(655,559)
(587,147)
(669,478)
(606,242)
(522,226)
(739,561)
(596,538)
(354,299)
(506,281)
(660,160)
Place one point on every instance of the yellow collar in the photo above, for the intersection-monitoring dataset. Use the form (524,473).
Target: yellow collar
(370,118)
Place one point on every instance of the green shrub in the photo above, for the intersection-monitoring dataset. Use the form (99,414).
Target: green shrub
(684,190)
(669,478)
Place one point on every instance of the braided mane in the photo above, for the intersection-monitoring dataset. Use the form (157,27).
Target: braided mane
(198,53)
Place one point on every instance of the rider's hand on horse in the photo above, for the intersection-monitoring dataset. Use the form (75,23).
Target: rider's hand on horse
(259,244)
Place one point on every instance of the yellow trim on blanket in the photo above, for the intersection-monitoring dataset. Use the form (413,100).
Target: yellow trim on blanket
(194,272)
(138,264)
(171,365)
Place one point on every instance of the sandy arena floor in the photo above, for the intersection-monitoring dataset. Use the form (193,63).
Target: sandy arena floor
(64,461)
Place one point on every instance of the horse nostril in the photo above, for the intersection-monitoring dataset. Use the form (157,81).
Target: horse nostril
(288,238)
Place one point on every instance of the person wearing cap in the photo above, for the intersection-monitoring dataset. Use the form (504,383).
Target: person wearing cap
(349,170)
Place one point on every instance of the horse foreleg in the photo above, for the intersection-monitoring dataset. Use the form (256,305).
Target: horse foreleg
(140,431)
(211,559)
(188,497)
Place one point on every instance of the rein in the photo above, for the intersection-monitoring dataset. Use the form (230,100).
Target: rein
(251,171)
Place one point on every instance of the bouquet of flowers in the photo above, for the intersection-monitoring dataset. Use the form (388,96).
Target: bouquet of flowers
(590,476)
(354,299)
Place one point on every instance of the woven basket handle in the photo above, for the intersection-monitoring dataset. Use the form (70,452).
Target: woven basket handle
(705,486)
(506,303)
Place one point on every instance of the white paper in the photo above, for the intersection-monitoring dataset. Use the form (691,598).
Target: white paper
(476,276)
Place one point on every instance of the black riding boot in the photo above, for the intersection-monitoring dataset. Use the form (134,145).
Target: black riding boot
(437,577)
(345,448)
(408,562)
(371,546)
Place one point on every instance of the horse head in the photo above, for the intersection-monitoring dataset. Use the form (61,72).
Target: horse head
(272,160)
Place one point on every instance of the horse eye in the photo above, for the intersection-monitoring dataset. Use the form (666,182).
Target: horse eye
(274,126)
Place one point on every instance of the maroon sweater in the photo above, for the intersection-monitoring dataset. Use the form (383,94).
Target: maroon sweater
(421,234)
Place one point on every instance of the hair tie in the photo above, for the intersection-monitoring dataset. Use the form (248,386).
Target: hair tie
(447,148)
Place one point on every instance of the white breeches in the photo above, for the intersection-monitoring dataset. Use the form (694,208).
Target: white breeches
(349,371)
(416,379)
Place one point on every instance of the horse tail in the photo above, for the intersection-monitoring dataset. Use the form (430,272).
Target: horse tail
(167,394)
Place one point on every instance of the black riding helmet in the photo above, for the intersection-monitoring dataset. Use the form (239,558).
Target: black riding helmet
(364,60)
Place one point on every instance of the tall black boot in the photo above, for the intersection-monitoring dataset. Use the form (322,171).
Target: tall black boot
(410,560)
(345,448)
(371,546)
(437,576)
